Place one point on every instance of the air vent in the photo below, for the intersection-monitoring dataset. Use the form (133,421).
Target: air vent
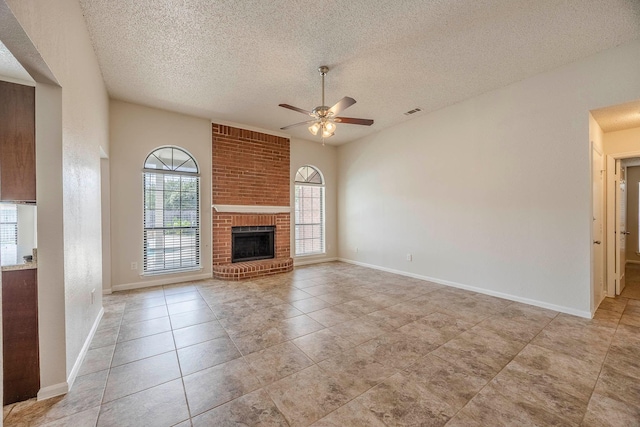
(415,110)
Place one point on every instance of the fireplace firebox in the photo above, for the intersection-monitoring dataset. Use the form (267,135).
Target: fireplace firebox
(252,243)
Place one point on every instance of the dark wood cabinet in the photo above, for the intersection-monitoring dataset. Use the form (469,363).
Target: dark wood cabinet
(20,335)
(17,142)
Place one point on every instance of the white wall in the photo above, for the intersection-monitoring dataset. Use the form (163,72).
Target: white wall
(51,295)
(27,230)
(58,31)
(106,224)
(493,193)
(325,159)
(135,132)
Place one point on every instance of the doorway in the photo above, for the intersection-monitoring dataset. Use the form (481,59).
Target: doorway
(629,284)
(621,242)
(614,133)
(597,247)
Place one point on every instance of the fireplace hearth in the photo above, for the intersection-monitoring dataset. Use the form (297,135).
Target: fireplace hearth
(251,243)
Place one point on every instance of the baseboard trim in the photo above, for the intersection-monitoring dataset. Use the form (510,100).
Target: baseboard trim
(160,282)
(107,291)
(308,261)
(53,391)
(633,261)
(541,304)
(83,352)
(63,388)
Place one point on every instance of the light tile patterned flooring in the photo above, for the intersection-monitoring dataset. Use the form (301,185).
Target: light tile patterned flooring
(341,345)
(632,288)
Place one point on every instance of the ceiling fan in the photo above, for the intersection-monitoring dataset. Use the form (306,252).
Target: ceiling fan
(324,119)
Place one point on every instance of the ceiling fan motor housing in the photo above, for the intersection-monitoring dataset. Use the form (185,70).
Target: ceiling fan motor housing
(322,111)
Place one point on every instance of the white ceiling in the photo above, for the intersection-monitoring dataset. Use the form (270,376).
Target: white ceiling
(236,60)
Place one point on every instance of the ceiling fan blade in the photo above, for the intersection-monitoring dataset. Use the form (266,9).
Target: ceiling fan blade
(343,104)
(308,122)
(299,110)
(353,121)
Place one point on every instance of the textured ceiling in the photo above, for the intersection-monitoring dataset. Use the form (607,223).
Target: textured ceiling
(618,117)
(10,67)
(236,60)
(632,162)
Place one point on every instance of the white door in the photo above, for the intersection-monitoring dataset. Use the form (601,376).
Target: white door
(621,232)
(598,232)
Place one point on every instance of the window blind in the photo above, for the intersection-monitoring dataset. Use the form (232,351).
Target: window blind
(309,219)
(171,221)
(8,224)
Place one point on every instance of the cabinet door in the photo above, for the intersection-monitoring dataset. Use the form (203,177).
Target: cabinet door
(17,142)
(20,335)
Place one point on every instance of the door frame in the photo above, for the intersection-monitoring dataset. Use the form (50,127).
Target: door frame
(610,234)
(598,282)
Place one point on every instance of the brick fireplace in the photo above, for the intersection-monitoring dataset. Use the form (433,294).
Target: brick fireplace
(251,187)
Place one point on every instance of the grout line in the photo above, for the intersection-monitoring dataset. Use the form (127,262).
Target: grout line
(595,384)
(261,293)
(502,369)
(184,388)
(106,382)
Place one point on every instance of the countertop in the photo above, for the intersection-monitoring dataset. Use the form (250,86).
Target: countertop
(23,266)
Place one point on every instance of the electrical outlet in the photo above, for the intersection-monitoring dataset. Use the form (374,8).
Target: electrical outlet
(409,257)
(93,296)
(134,265)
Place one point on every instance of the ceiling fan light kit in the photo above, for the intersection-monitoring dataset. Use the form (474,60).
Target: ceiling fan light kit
(324,119)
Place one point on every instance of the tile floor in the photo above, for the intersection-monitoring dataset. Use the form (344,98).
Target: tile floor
(632,288)
(341,345)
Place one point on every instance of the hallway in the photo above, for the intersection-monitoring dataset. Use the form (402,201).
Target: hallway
(632,289)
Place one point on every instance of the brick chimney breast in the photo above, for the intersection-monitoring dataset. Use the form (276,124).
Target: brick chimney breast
(250,169)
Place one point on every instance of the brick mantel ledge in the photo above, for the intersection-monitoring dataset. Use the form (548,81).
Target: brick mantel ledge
(257,209)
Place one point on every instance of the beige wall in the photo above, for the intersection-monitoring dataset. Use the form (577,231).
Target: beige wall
(105,196)
(135,132)
(58,31)
(325,159)
(493,193)
(620,142)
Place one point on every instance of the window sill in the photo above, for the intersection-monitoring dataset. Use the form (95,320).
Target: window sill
(165,272)
(311,254)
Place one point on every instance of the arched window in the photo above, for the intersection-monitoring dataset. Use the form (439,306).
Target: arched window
(309,211)
(171,211)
